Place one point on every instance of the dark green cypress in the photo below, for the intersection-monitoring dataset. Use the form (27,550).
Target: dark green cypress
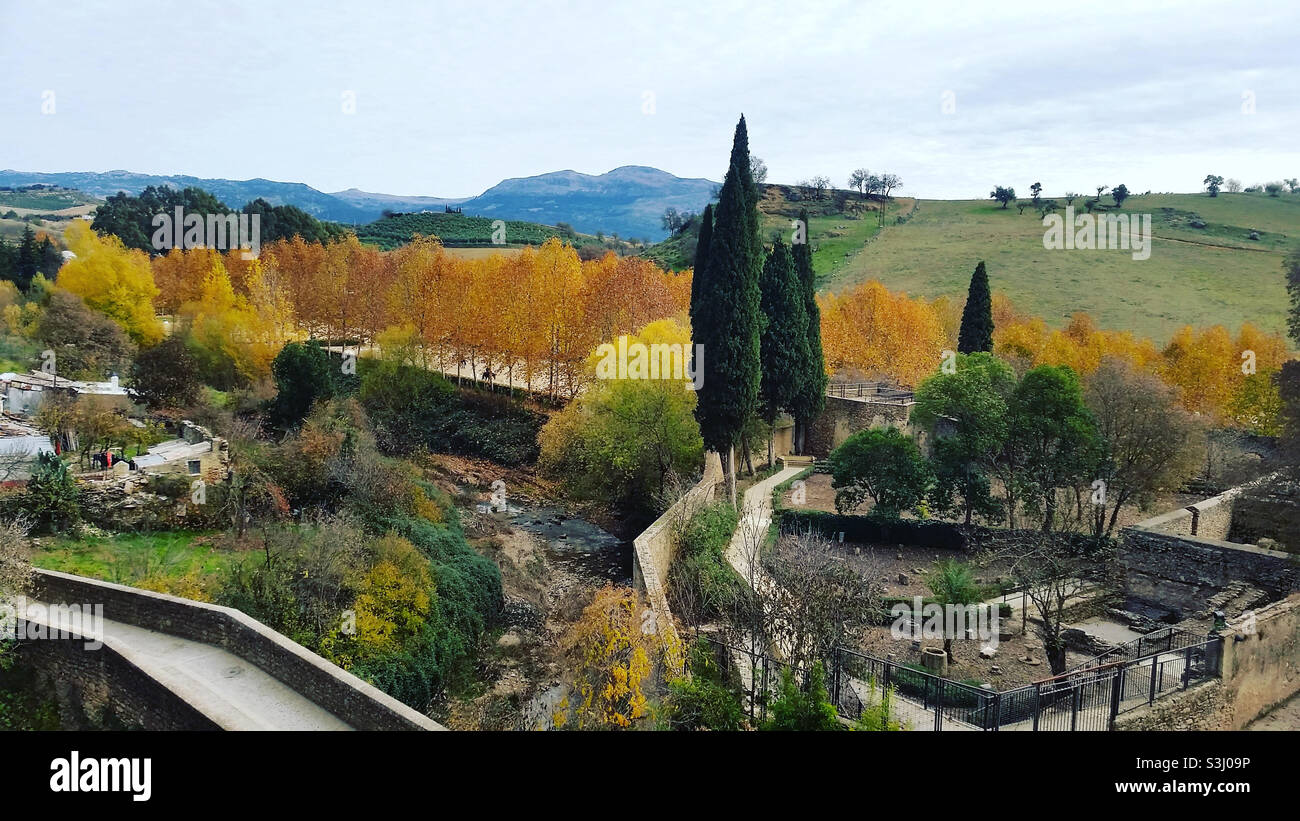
(725,316)
(977,317)
(701,251)
(811,397)
(784,345)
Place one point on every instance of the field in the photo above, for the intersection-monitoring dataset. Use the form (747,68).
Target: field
(1199,276)
(180,562)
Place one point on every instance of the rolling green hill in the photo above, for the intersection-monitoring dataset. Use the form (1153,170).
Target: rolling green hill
(1204,267)
(1199,276)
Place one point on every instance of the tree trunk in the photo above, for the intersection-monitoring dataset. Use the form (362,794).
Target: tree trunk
(729,473)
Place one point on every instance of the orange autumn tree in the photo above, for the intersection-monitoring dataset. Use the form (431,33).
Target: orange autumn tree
(880,334)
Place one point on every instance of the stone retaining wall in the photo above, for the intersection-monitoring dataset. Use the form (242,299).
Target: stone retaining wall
(1259,669)
(352,700)
(652,551)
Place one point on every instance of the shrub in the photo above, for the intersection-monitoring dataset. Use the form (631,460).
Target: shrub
(703,701)
(807,709)
(51,498)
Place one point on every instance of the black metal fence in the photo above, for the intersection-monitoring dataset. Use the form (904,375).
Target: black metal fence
(1086,699)
(878,391)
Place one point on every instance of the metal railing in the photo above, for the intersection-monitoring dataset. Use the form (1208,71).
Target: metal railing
(1088,698)
(879,391)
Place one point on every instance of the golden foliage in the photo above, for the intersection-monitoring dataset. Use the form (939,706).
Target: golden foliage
(113,280)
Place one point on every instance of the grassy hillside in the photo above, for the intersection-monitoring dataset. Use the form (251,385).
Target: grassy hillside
(459,230)
(839,227)
(1201,276)
(45,209)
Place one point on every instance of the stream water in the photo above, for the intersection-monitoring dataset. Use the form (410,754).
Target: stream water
(572,542)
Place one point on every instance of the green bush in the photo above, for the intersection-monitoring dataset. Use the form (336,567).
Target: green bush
(803,709)
(703,701)
(701,573)
(52,498)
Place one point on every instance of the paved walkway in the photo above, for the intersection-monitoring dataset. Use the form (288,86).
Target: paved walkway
(233,692)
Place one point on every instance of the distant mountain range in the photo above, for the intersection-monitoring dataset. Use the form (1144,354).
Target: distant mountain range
(628,201)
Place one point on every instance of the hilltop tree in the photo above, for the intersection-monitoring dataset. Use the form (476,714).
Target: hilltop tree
(1213,183)
(725,316)
(1101,189)
(888,182)
(858,180)
(1004,195)
(758,169)
(977,317)
(811,395)
(1233,186)
(1120,193)
(784,344)
(1036,191)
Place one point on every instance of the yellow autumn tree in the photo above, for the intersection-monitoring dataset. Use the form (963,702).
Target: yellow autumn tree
(116,281)
(614,658)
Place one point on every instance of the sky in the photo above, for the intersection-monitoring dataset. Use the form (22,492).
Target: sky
(447,99)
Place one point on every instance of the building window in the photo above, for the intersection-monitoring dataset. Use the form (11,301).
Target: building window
(194,467)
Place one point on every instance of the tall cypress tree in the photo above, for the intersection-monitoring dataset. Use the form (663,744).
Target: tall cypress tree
(977,317)
(811,397)
(784,344)
(701,251)
(725,315)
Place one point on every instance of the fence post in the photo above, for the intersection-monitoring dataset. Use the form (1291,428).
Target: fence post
(837,664)
(997,712)
(1187,666)
(1155,661)
(1038,703)
(1116,695)
(1074,706)
(938,705)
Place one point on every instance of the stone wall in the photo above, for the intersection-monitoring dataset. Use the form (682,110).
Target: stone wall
(652,551)
(100,689)
(349,698)
(1183,573)
(1210,519)
(1259,669)
(1261,660)
(842,417)
(1203,706)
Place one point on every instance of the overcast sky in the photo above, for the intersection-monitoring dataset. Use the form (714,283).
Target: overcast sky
(452,97)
